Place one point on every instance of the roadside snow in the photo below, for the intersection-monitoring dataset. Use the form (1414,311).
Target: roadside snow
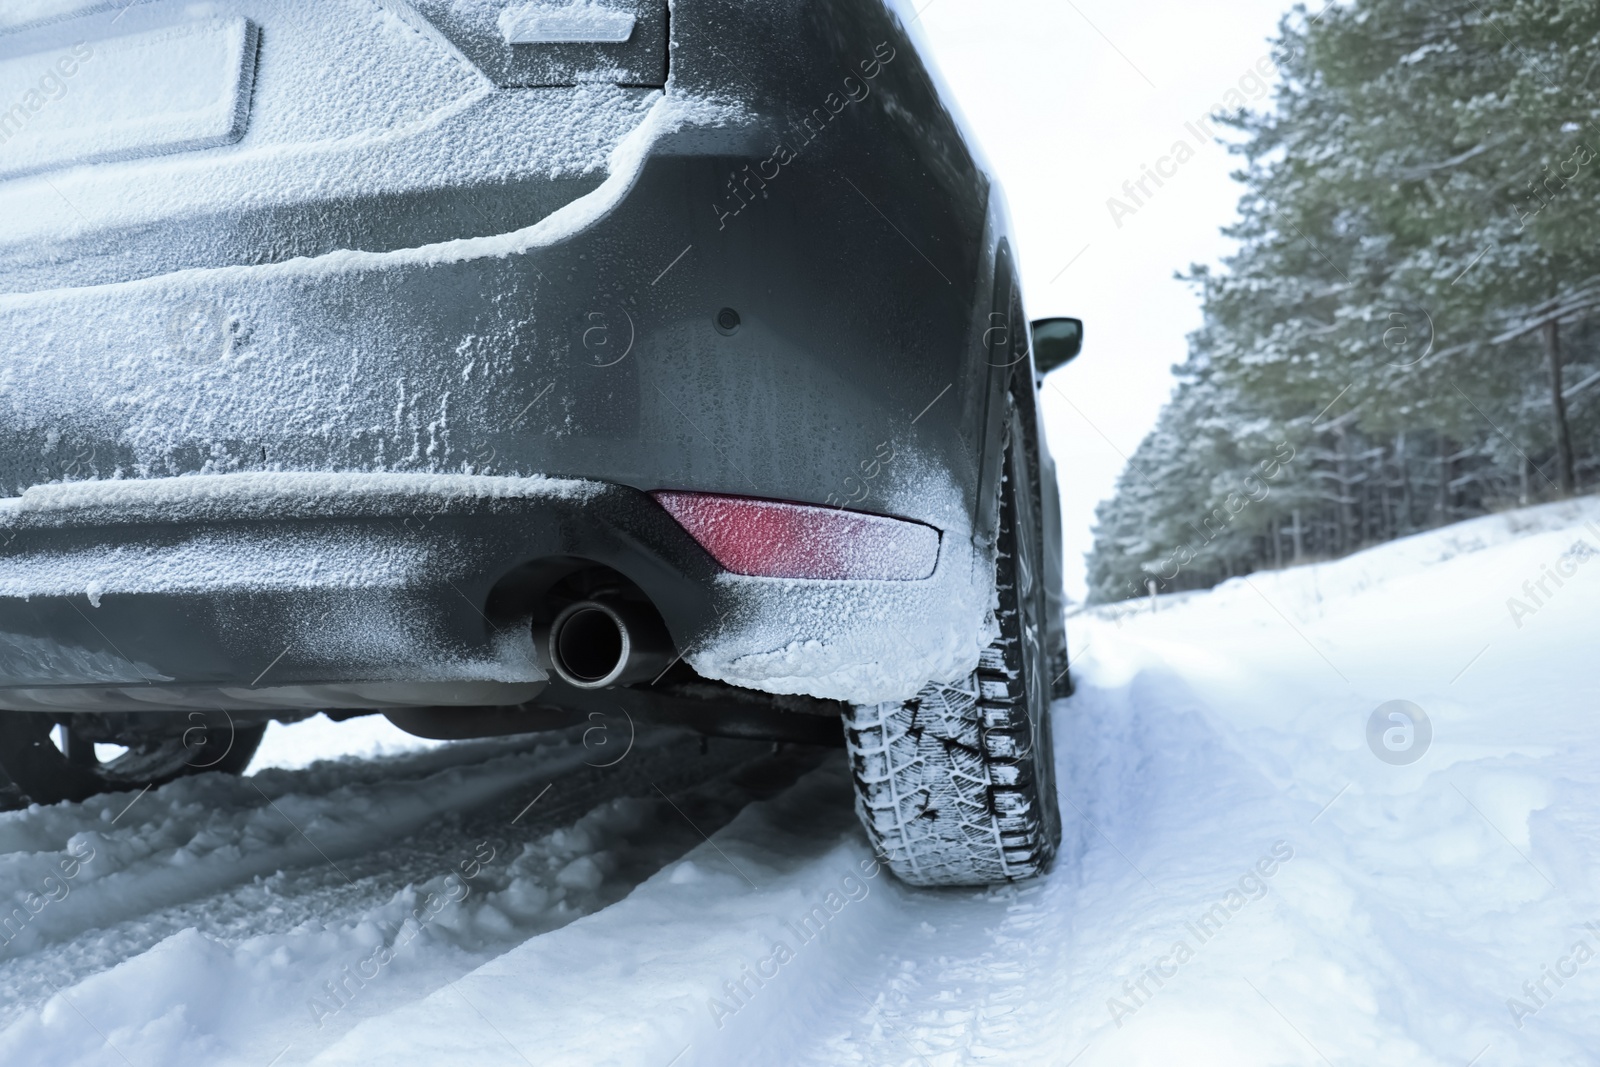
(1302,591)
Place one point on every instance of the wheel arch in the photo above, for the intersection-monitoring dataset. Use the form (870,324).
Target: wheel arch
(1012,377)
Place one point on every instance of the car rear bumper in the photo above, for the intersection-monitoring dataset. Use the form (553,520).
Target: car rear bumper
(250,591)
(297,589)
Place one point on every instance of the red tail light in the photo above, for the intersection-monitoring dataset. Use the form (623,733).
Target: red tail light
(770,539)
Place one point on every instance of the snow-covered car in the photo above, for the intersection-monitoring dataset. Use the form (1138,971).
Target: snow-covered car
(500,365)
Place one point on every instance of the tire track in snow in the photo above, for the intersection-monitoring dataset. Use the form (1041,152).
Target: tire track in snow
(279,939)
(198,836)
(1021,974)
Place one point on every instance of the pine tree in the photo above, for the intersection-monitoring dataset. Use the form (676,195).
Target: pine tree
(1408,309)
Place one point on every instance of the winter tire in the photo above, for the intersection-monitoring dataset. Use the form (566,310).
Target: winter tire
(956,786)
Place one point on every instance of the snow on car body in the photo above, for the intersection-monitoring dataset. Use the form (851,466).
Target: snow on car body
(347,345)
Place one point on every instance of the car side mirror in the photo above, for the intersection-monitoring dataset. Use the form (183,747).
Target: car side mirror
(1056,342)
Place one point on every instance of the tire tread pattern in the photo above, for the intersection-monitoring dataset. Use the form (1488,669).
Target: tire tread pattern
(945,782)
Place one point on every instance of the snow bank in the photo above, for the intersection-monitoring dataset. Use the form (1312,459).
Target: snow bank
(1303,591)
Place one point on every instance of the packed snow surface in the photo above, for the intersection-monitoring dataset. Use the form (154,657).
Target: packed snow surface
(1251,874)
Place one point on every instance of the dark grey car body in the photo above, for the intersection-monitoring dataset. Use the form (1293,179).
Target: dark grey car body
(314,414)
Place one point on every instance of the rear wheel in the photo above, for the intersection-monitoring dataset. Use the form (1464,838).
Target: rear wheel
(42,762)
(957,786)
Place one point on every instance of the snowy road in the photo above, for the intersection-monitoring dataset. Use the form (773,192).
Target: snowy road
(1244,881)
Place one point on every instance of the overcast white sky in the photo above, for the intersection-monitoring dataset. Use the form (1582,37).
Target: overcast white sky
(1069,100)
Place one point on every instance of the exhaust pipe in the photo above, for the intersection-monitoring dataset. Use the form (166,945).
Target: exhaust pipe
(596,644)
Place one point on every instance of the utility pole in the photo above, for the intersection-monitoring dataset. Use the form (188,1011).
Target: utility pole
(1565,473)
